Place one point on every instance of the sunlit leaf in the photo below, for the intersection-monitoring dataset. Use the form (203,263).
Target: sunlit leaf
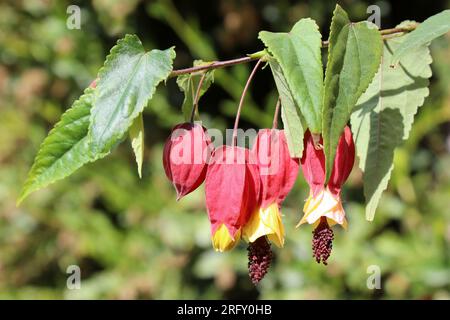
(354,56)
(290,116)
(299,55)
(127,82)
(384,116)
(433,27)
(65,149)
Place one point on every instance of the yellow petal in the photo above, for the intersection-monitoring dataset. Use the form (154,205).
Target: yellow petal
(265,222)
(222,239)
(311,205)
(344,224)
(325,204)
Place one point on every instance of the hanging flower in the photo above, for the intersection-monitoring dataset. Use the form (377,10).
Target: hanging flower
(185,157)
(232,193)
(323,208)
(278,172)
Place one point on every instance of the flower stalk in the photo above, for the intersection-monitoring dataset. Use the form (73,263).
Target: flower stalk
(241,102)
(197,96)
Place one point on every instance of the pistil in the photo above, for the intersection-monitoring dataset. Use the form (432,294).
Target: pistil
(259,259)
(322,241)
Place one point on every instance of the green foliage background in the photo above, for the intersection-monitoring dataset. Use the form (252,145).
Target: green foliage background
(129,236)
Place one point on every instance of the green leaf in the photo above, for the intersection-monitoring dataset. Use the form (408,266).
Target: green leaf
(188,83)
(126,83)
(354,56)
(384,116)
(65,149)
(433,27)
(137,141)
(290,116)
(299,55)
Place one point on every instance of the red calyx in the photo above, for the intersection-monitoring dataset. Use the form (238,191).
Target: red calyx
(278,171)
(343,163)
(313,163)
(232,188)
(185,157)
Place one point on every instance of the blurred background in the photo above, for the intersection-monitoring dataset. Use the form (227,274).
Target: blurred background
(129,236)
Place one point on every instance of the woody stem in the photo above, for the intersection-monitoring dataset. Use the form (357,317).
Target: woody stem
(241,102)
(386,34)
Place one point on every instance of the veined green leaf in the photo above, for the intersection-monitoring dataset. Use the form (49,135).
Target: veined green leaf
(65,149)
(433,27)
(127,82)
(137,141)
(188,83)
(354,56)
(299,55)
(384,116)
(336,50)
(290,116)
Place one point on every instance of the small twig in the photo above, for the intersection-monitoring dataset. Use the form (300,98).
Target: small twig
(397,30)
(197,97)
(391,36)
(226,63)
(241,102)
(275,116)
(214,65)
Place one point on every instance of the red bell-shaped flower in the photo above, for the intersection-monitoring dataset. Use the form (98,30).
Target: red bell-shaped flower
(278,172)
(323,208)
(232,193)
(186,154)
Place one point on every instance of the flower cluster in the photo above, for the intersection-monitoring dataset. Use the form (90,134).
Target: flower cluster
(245,188)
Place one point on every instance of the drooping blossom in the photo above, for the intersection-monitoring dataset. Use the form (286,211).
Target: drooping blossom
(232,191)
(323,208)
(278,172)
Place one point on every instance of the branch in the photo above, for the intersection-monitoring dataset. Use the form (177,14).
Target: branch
(214,65)
(386,34)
